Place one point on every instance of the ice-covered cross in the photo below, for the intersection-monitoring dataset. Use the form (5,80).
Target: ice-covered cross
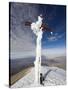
(38,27)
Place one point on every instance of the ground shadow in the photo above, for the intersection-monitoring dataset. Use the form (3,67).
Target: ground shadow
(45,75)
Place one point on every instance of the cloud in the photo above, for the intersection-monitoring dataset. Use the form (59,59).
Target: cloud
(23,54)
(21,37)
(55,37)
(54,52)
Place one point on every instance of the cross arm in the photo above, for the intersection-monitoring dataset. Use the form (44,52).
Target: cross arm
(46,28)
(28,23)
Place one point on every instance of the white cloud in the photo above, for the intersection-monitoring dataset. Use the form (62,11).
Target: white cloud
(22,38)
(54,52)
(55,37)
(24,54)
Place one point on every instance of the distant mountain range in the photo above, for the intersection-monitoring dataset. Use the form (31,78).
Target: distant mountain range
(17,65)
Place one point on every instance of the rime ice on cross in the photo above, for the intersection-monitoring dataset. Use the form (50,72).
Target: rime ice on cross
(37,29)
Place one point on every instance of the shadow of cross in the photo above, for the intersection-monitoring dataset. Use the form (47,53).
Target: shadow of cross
(45,75)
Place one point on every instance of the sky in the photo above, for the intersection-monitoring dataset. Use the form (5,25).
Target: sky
(56,19)
(23,40)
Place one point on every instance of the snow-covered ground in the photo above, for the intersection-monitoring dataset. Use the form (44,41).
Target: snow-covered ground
(52,75)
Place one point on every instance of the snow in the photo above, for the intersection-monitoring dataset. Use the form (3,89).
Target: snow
(53,76)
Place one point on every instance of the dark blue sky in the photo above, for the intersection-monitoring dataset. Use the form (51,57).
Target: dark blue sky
(55,17)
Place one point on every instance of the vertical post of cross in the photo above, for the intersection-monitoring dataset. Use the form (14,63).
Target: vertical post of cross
(37,62)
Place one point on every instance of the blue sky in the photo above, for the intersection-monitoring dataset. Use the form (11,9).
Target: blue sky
(23,40)
(55,17)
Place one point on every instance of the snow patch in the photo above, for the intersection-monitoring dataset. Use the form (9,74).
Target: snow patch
(52,75)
